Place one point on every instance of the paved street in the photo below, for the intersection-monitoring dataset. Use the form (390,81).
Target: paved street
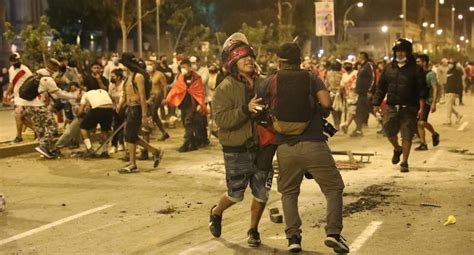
(7,128)
(76,206)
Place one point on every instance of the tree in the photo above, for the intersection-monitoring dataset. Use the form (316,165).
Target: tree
(41,42)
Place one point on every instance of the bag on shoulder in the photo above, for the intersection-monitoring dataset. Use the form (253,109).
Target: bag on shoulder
(29,88)
(292,102)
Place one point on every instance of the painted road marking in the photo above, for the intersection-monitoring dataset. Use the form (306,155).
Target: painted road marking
(432,161)
(463,126)
(52,224)
(364,236)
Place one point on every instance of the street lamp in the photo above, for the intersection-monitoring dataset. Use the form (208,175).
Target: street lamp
(432,25)
(439,31)
(345,21)
(425,24)
(384,29)
(441,1)
(471,9)
(461,38)
(460,17)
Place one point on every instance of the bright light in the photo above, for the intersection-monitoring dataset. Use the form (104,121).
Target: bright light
(384,29)
(360,4)
(471,8)
(441,1)
(439,32)
(92,37)
(458,46)
(14,48)
(351,57)
(461,38)
(467,41)
(432,25)
(460,16)
(401,16)
(385,58)
(321,51)
(319,55)
(453,9)
(425,24)
(425,51)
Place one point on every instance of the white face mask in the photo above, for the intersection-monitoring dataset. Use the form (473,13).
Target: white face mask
(149,68)
(450,66)
(115,60)
(401,60)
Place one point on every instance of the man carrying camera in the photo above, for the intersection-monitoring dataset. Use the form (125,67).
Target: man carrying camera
(234,106)
(300,102)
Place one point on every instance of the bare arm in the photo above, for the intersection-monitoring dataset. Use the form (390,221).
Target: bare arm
(324,98)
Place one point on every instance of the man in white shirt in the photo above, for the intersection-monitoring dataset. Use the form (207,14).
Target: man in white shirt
(101,112)
(42,119)
(18,74)
(112,65)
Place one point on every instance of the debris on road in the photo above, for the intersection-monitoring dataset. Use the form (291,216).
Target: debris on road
(3,203)
(451,220)
(430,205)
(275,215)
(370,198)
(167,210)
(352,163)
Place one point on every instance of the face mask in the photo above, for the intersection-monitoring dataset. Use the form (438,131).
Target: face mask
(164,62)
(115,60)
(113,80)
(450,66)
(17,65)
(184,71)
(401,60)
(62,69)
(149,68)
(153,58)
(348,69)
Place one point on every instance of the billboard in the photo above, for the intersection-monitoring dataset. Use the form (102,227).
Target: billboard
(324,12)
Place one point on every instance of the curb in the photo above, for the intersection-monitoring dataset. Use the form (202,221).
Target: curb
(17,149)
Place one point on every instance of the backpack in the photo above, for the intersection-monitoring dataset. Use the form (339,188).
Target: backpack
(148,84)
(29,88)
(292,102)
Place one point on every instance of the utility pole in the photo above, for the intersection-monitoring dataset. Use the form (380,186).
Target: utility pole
(404,22)
(452,24)
(139,17)
(436,25)
(158,3)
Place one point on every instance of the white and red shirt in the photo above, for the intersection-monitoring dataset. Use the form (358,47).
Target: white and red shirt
(17,77)
(96,98)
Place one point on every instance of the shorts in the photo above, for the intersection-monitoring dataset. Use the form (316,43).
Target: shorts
(351,109)
(241,171)
(133,122)
(401,120)
(426,113)
(102,116)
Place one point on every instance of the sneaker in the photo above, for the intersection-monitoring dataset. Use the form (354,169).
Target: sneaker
(164,137)
(337,243)
(356,133)
(422,147)
(44,151)
(404,167)
(215,224)
(294,244)
(344,128)
(120,147)
(435,138)
(459,117)
(396,156)
(90,154)
(157,157)
(17,140)
(113,150)
(254,238)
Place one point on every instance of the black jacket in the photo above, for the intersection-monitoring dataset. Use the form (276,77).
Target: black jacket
(365,79)
(454,81)
(403,86)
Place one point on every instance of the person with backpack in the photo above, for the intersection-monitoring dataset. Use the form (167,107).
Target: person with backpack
(18,73)
(134,96)
(300,104)
(188,95)
(235,106)
(43,84)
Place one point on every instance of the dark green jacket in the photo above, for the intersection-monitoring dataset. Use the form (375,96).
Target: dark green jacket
(230,110)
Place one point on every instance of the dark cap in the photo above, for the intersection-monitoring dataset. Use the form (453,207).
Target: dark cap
(290,53)
(403,45)
(15,57)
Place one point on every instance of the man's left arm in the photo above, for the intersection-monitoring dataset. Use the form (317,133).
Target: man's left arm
(421,87)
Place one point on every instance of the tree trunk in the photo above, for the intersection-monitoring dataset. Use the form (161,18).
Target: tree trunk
(124,37)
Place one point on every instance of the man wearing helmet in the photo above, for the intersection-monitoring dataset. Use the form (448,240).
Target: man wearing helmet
(403,83)
(234,106)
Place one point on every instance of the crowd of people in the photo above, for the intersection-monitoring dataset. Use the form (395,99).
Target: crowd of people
(256,109)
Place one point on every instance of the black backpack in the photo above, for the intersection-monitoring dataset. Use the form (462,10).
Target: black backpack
(29,88)
(148,84)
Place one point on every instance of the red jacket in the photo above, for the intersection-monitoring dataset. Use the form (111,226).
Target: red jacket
(196,90)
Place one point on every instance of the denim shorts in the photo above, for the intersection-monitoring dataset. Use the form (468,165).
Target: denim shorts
(241,171)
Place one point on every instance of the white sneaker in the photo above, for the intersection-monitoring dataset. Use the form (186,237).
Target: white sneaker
(120,147)
(113,150)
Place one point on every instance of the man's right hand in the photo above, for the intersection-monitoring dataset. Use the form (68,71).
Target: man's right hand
(254,104)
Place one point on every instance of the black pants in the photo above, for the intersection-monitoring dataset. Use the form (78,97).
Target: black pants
(200,131)
(187,115)
(119,118)
(154,112)
(362,111)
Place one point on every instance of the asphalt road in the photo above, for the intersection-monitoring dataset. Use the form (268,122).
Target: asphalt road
(77,206)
